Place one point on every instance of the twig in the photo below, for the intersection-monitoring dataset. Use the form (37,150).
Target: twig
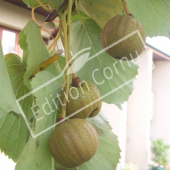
(59,66)
(33,16)
(68,31)
(67,48)
(126,8)
(44,6)
(55,41)
(34,19)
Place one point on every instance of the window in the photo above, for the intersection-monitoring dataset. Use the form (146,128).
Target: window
(9,39)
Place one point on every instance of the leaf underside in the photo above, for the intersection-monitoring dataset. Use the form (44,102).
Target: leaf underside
(114,90)
(101,11)
(154,16)
(14,132)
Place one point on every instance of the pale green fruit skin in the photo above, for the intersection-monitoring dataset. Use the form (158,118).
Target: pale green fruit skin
(86,97)
(73,142)
(118,27)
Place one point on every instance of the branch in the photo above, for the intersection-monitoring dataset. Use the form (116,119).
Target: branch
(126,8)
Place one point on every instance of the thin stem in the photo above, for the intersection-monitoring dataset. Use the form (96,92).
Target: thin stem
(125,7)
(74,75)
(41,27)
(64,82)
(33,16)
(59,66)
(67,48)
(54,47)
(68,31)
(52,159)
(69,22)
(62,37)
(44,6)
(45,23)
(54,42)
(52,163)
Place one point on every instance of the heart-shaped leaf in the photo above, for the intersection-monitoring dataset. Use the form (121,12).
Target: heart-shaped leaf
(114,78)
(14,132)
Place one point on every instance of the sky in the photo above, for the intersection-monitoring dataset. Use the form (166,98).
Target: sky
(160,43)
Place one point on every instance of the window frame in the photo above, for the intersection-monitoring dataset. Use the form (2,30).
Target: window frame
(17,46)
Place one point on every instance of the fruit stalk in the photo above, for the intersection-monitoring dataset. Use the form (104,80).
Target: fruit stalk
(55,41)
(126,8)
(34,19)
(66,30)
(44,6)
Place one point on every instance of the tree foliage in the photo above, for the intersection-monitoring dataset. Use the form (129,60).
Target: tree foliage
(81,24)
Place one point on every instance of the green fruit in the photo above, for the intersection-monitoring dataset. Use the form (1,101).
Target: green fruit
(116,29)
(80,97)
(73,142)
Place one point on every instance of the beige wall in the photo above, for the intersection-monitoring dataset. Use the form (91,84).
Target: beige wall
(132,124)
(117,120)
(160,125)
(16,17)
(138,115)
(148,113)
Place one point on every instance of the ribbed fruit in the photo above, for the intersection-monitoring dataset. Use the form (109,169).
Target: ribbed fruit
(73,142)
(116,29)
(80,97)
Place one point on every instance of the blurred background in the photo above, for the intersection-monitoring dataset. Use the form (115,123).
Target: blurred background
(143,126)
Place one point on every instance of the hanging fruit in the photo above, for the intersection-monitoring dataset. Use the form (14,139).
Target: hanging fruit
(84,99)
(118,28)
(73,142)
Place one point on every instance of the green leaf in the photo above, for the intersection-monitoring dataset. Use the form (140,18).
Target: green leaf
(75,16)
(23,45)
(154,15)
(36,51)
(48,92)
(14,132)
(52,3)
(39,157)
(108,154)
(7,100)
(36,154)
(33,3)
(101,11)
(123,73)
(55,3)
(61,60)
(167,3)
